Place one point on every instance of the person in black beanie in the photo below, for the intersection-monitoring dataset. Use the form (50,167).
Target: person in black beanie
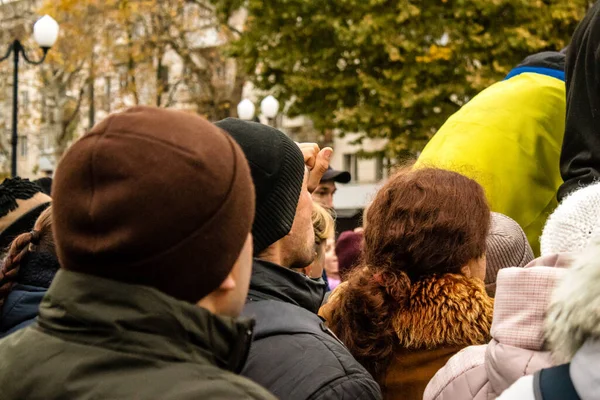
(293,354)
(580,156)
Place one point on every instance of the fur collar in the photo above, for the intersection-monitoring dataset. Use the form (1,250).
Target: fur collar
(573,315)
(446,310)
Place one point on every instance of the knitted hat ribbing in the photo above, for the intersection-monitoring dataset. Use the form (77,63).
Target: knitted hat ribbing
(574,223)
(277,167)
(154,197)
(507,246)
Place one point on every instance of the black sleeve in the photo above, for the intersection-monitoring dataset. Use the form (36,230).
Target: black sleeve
(580,156)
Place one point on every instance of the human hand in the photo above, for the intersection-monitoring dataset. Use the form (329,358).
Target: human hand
(317,161)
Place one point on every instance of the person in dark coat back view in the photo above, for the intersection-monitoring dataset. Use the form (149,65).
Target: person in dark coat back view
(152,212)
(26,275)
(580,156)
(293,354)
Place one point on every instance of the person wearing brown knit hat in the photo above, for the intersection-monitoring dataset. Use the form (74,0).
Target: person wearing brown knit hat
(152,214)
(507,246)
(291,345)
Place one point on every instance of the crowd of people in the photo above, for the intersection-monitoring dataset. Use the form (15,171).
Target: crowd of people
(174,258)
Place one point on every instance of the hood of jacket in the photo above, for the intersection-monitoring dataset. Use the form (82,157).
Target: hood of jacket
(508,138)
(572,316)
(550,63)
(517,346)
(142,320)
(273,282)
(20,308)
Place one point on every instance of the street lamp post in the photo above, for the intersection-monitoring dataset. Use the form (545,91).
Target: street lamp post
(45,33)
(269,107)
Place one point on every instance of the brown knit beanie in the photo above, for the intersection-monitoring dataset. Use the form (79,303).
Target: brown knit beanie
(154,197)
(507,246)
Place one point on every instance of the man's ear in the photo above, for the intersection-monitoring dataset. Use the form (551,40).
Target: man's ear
(228,284)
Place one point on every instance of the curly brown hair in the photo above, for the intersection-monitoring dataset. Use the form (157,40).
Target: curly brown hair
(422,223)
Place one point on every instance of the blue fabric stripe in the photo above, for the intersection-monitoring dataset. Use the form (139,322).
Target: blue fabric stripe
(554,73)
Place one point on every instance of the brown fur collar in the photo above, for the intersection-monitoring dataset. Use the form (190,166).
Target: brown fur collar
(447,310)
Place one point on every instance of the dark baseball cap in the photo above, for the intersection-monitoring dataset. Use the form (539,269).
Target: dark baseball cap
(336,176)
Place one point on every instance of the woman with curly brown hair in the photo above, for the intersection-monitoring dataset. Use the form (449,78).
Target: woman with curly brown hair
(418,297)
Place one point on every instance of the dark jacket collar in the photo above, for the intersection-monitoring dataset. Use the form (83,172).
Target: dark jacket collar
(95,311)
(273,282)
(545,59)
(549,63)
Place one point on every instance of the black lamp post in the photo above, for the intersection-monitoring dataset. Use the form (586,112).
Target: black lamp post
(45,33)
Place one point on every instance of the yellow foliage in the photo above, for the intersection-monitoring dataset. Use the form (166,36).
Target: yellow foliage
(394,54)
(435,53)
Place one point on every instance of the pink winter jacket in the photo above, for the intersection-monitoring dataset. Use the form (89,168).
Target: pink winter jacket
(484,372)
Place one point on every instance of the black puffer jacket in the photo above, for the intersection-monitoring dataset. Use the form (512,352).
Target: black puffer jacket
(293,354)
(580,157)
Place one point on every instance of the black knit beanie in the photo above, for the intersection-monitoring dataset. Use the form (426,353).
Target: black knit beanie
(277,167)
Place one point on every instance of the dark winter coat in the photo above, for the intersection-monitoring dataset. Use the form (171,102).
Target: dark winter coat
(100,339)
(20,308)
(580,157)
(293,354)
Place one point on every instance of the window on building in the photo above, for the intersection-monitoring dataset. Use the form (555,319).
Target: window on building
(351,165)
(46,143)
(123,77)
(52,115)
(44,109)
(24,99)
(23,146)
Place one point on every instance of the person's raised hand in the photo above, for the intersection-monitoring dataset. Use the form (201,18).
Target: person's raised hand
(317,161)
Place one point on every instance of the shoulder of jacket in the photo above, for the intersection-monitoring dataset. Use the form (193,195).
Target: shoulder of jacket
(458,367)
(238,387)
(353,386)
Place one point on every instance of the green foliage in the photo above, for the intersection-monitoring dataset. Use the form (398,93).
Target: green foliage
(379,66)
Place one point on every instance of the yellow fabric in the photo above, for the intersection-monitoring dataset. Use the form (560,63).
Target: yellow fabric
(508,138)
